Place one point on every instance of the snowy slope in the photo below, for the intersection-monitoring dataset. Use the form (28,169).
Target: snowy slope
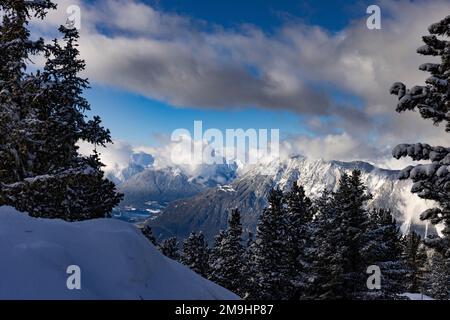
(116,262)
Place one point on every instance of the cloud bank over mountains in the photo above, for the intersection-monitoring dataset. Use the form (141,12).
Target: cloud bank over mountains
(337,82)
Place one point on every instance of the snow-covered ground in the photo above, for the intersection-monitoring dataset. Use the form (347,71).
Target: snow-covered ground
(115,260)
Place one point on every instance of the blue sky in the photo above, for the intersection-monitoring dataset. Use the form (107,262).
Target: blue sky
(139,120)
(268,14)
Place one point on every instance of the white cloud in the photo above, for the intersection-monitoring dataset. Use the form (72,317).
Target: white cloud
(115,156)
(329,147)
(176,59)
(171,58)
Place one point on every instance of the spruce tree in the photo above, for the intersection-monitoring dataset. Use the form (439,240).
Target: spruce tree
(384,249)
(17,86)
(338,269)
(438,279)
(415,258)
(350,200)
(300,212)
(227,267)
(431,181)
(170,248)
(50,178)
(270,252)
(196,254)
(326,268)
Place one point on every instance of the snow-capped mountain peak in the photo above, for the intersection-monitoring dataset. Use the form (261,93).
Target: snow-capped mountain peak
(208,210)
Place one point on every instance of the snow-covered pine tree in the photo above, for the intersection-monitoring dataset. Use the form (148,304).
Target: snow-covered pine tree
(338,268)
(196,254)
(415,258)
(270,252)
(431,181)
(351,199)
(227,261)
(16,86)
(438,277)
(170,248)
(51,179)
(300,212)
(317,271)
(326,268)
(148,233)
(384,249)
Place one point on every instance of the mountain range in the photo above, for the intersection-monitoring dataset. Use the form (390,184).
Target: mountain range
(175,202)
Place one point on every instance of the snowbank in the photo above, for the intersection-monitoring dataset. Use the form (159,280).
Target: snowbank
(115,260)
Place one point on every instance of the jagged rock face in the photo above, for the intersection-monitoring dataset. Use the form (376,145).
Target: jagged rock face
(208,210)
